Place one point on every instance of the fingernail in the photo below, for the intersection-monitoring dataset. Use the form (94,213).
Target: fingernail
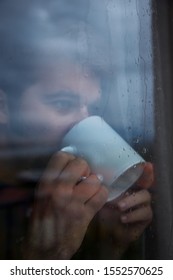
(100,177)
(122,205)
(123,219)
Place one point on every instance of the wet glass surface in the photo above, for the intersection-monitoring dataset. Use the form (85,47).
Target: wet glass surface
(60,62)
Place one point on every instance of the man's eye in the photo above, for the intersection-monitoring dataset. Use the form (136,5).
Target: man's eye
(65,106)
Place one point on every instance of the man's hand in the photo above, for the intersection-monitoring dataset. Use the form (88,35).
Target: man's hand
(123,220)
(63,209)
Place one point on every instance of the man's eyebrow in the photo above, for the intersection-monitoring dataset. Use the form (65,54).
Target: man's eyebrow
(76,97)
(63,94)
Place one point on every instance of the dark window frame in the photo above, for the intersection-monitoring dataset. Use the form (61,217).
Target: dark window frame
(159,243)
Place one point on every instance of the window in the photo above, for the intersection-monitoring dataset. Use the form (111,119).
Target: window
(61,61)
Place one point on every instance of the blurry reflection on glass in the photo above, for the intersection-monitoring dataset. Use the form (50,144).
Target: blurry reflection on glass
(54,68)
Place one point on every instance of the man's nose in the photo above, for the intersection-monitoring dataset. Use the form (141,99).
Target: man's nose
(82,113)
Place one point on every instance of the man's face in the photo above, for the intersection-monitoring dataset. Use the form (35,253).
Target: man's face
(50,107)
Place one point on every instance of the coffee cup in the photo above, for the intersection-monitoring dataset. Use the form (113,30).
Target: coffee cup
(109,156)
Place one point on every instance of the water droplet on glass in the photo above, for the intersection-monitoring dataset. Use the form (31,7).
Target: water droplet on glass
(144,150)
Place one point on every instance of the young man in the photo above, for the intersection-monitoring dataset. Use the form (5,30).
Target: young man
(49,87)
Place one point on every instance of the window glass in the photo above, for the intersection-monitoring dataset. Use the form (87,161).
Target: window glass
(77,129)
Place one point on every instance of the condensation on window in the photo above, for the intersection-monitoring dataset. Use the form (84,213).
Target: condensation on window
(131,98)
(61,61)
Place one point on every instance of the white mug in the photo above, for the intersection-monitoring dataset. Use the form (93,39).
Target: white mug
(108,155)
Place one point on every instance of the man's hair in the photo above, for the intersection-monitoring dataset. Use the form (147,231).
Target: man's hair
(33,33)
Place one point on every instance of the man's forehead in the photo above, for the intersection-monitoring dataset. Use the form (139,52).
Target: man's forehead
(60,68)
(69,77)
